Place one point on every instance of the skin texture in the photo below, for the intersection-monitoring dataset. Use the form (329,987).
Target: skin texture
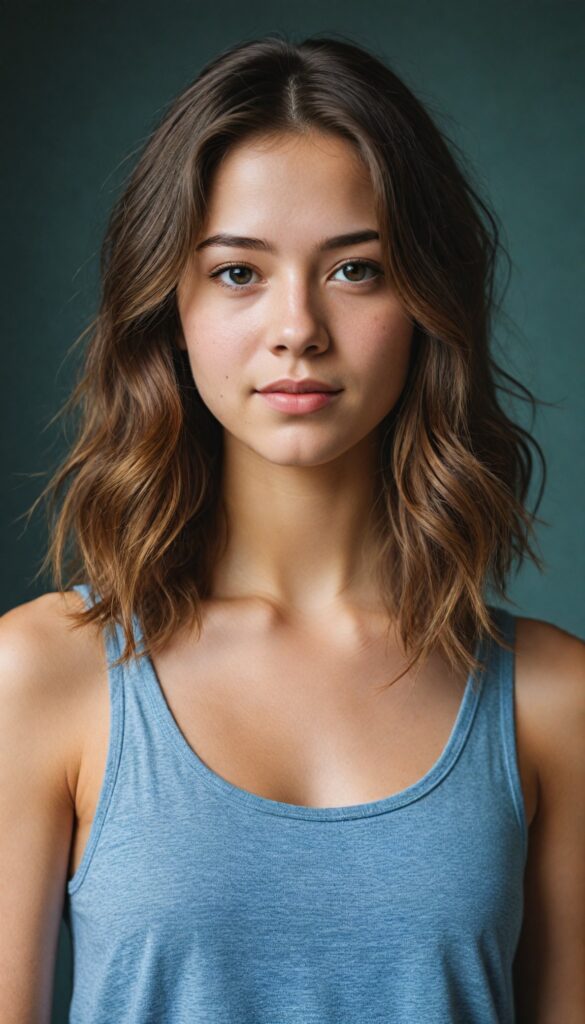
(299,487)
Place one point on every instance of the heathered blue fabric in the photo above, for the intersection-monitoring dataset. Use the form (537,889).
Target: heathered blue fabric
(197,902)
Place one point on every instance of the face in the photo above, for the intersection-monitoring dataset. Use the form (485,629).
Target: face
(290,306)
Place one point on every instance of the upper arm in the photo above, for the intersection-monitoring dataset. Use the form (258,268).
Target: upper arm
(36,812)
(549,969)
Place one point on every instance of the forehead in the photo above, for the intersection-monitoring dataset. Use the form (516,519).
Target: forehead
(290,173)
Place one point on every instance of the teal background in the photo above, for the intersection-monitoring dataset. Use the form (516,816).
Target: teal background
(83,85)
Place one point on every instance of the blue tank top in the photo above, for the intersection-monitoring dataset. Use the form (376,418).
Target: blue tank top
(198,901)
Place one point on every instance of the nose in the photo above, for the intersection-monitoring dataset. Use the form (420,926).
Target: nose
(297,322)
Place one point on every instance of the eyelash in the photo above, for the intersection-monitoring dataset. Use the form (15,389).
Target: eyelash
(244,287)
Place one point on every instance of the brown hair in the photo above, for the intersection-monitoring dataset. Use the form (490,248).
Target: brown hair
(143,511)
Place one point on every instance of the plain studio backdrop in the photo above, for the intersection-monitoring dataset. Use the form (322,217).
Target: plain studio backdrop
(84,84)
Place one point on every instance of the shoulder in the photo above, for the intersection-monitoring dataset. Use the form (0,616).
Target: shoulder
(38,637)
(49,671)
(550,696)
(549,982)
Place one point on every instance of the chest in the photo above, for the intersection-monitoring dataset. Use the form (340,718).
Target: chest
(403,916)
(304,724)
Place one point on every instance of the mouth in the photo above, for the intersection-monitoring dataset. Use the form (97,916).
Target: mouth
(309,391)
(298,402)
(306,385)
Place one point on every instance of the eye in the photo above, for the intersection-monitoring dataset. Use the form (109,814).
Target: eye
(231,267)
(367,264)
(235,269)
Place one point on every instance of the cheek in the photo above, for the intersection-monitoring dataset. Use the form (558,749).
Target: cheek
(212,346)
(385,348)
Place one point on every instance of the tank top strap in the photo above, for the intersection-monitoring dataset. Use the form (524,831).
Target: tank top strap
(130,679)
(494,743)
(507,688)
(111,636)
(133,693)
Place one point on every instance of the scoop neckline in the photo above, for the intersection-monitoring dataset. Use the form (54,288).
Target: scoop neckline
(254,802)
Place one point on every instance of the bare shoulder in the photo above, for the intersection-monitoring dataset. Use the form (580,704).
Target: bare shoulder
(39,639)
(550,691)
(549,981)
(51,667)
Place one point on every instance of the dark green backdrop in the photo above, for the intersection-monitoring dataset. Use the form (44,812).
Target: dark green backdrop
(83,84)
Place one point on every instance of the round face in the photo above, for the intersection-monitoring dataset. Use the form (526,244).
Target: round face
(276,289)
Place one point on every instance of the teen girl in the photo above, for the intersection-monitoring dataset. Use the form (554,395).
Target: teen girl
(267,745)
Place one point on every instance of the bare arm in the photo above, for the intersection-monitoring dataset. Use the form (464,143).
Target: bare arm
(549,969)
(36,811)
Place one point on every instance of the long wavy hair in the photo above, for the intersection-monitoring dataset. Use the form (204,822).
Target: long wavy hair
(135,509)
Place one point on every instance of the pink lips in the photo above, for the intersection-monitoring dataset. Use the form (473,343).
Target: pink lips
(289,402)
(302,385)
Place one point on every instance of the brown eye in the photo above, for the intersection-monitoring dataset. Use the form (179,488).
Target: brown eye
(235,271)
(353,267)
(236,274)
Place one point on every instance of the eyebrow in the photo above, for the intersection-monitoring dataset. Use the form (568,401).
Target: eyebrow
(243,242)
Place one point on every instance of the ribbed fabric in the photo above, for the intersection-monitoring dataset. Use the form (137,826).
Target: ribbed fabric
(197,902)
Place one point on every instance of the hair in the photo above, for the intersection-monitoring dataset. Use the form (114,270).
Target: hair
(142,519)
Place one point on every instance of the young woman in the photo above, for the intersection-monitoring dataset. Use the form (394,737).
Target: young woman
(268,746)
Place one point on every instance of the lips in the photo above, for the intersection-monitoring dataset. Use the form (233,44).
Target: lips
(299,403)
(296,387)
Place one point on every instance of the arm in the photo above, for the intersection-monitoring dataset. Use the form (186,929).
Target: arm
(549,969)
(36,811)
